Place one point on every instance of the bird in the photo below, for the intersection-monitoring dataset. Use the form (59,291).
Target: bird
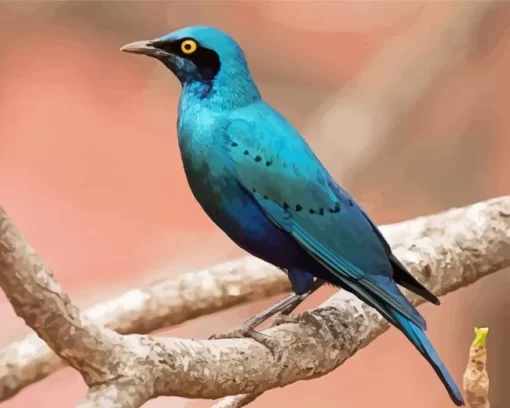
(259,181)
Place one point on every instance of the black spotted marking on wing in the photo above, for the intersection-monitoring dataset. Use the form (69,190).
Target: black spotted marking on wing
(286,206)
(335,209)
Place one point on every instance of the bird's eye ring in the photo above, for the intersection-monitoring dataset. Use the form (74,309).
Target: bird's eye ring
(188,47)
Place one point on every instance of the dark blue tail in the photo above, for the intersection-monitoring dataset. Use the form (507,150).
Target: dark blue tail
(421,342)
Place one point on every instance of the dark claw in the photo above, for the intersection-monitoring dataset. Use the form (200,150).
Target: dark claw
(307,317)
(284,307)
(246,332)
(282,318)
(304,317)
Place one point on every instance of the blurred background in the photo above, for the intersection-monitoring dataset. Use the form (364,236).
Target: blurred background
(406,102)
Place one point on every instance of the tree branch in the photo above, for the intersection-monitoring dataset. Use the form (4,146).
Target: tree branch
(167,303)
(163,304)
(445,251)
(452,249)
(113,395)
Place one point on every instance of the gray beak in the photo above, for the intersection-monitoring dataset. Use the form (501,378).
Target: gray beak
(139,47)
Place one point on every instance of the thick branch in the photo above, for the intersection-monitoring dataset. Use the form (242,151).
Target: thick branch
(168,303)
(40,300)
(454,249)
(163,304)
(431,247)
(114,395)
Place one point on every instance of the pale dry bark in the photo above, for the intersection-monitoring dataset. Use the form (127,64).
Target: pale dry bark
(170,302)
(452,249)
(163,304)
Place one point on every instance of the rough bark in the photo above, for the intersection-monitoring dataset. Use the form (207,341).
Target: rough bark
(163,304)
(450,250)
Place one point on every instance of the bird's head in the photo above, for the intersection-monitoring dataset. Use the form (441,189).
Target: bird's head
(200,54)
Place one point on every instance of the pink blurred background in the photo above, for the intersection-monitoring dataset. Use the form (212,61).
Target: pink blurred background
(91,174)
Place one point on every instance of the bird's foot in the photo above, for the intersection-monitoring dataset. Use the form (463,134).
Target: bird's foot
(284,307)
(248,332)
(282,318)
(305,317)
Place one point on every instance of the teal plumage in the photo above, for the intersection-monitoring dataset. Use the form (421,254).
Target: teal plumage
(260,182)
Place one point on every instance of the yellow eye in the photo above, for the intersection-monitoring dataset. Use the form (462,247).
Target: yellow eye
(188,47)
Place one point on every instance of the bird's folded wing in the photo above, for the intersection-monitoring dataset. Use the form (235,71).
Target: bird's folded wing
(277,168)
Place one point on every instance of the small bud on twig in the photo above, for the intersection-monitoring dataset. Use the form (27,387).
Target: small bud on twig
(476,379)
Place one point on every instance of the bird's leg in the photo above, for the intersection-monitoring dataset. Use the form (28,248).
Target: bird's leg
(283,308)
(283,316)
